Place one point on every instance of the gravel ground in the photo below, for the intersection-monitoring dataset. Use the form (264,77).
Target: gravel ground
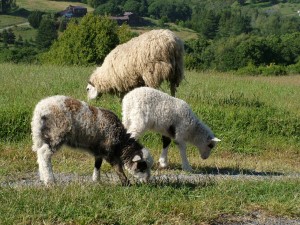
(32,179)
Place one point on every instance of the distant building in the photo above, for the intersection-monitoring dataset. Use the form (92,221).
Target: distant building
(73,11)
(298,12)
(128,17)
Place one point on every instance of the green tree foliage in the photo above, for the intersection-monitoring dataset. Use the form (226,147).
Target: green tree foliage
(86,43)
(95,3)
(47,33)
(7,5)
(8,37)
(133,6)
(109,8)
(35,18)
(241,51)
(173,10)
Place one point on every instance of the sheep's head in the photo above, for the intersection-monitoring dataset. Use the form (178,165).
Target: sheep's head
(140,167)
(91,90)
(207,145)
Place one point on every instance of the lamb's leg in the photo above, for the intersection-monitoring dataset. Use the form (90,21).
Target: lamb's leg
(163,159)
(173,89)
(185,163)
(121,174)
(96,173)
(45,167)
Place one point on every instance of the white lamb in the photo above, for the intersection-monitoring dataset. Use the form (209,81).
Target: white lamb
(146,108)
(146,60)
(59,120)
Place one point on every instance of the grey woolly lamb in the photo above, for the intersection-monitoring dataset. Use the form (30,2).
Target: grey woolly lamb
(59,120)
(146,60)
(146,108)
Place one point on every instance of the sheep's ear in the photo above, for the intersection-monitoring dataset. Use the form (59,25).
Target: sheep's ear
(215,139)
(136,158)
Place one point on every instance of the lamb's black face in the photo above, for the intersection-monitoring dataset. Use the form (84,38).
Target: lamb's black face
(141,167)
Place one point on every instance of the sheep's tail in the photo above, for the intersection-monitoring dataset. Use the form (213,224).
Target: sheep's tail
(36,128)
(179,65)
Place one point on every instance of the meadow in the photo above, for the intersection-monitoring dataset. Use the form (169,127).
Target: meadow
(257,119)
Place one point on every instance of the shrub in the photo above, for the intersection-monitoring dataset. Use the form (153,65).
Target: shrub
(273,69)
(249,70)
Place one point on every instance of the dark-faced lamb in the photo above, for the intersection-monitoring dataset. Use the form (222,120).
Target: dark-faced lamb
(146,60)
(59,120)
(146,108)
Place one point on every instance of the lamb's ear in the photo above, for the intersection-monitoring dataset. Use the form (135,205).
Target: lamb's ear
(136,158)
(215,139)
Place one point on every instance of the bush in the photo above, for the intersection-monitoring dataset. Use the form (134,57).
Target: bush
(273,69)
(249,70)
(294,69)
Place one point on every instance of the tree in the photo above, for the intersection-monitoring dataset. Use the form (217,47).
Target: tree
(132,6)
(8,37)
(109,8)
(210,24)
(86,43)
(47,33)
(35,19)
(7,5)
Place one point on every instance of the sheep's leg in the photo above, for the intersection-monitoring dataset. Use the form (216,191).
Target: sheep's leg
(96,173)
(185,163)
(121,174)
(45,167)
(163,159)
(173,89)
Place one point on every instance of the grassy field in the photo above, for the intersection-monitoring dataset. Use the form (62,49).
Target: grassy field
(48,6)
(257,118)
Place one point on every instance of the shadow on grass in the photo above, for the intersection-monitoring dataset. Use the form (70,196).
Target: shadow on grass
(178,182)
(226,171)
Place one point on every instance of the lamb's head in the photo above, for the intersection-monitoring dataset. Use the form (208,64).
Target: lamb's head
(140,167)
(91,90)
(206,145)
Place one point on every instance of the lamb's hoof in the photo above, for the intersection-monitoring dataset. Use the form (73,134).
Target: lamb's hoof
(126,183)
(163,164)
(187,168)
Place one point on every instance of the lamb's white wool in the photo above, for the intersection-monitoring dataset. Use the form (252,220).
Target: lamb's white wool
(59,120)
(146,108)
(146,60)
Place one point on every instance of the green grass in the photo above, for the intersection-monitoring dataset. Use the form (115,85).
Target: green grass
(147,204)
(257,119)
(8,20)
(48,6)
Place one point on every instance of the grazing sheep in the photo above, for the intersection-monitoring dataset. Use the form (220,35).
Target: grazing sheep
(146,108)
(146,60)
(59,120)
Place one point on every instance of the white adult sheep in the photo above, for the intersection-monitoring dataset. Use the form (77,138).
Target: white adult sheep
(59,120)
(146,108)
(146,60)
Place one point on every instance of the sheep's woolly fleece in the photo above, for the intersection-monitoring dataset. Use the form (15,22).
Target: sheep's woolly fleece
(146,108)
(61,120)
(146,60)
